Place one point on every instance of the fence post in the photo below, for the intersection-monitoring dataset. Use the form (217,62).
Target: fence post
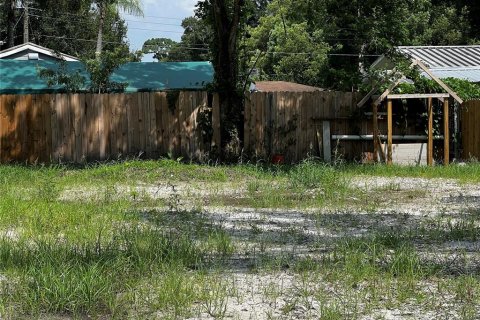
(327,149)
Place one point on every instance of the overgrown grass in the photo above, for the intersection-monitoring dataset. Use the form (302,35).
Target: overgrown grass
(88,242)
(465,173)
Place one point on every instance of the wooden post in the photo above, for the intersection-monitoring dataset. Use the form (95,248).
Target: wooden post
(446,134)
(327,149)
(390,132)
(375,132)
(430,133)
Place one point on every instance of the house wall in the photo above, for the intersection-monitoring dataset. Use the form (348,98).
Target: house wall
(23,55)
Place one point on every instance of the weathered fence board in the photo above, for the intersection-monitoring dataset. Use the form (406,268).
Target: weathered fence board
(287,122)
(79,127)
(471,129)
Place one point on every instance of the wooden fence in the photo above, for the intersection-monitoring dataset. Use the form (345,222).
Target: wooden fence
(79,127)
(471,129)
(290,123)
(88,127)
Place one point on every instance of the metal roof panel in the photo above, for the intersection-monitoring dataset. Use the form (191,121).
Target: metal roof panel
(445,56)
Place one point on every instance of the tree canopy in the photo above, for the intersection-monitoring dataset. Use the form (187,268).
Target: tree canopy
(66,26)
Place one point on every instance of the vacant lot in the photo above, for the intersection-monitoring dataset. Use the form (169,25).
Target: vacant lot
(165,240)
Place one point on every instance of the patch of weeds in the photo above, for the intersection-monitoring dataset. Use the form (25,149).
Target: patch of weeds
(215,298)
(467,289)
(58,277)
(290,305)
(173,292)
(311,175)
(462,229)
(220,243)
(469,173)
(330,312)
(307,264)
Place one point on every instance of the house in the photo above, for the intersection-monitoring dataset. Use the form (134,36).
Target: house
(21,77)
(32,51)
(461,62)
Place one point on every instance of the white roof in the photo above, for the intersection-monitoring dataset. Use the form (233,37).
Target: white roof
(34,47)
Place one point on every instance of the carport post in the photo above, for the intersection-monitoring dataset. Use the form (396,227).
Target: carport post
(430,133)
(375,132)
(446,134)
(390,132)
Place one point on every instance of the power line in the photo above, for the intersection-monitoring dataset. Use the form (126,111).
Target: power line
(206,49)
(78,39)
(79,15)
(84,20)
(167,31)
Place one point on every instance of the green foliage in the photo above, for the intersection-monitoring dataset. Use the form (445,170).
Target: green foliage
(100,69)
(160,47)
(71,81)
(193,46)
(465,89)
(278,40)
(336,38)
(69,27)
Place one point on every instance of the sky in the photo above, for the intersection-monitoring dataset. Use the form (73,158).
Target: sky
(162,19)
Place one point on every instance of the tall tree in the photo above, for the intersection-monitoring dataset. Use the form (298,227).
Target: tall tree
(9,10)
(287,43)
(225,19)
(193,46)
(69,27)
(129,6)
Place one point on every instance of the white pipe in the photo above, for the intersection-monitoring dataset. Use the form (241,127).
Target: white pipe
(383,137)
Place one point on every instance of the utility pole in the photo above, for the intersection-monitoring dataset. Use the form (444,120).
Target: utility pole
(25,21)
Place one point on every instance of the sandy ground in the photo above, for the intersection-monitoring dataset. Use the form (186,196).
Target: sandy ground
(404,204)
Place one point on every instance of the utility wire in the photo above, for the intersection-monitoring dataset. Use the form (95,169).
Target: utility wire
(84,20)
(206,49)
(79,15)
(173,31)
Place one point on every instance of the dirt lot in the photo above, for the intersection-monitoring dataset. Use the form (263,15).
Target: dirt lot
(263,283)
(163,240)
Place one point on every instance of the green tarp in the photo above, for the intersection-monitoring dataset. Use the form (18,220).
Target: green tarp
(21,76)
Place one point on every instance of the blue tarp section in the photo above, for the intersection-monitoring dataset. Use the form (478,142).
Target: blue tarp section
(21,77)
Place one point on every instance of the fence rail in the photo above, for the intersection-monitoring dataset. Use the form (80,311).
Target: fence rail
(78,127)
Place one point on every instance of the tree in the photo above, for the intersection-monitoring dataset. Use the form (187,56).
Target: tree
(288,47)
(9,10)
(103,6)
(194,45)
(99,70)
(161,48)
(225,20)
(68,27)
(362,28)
